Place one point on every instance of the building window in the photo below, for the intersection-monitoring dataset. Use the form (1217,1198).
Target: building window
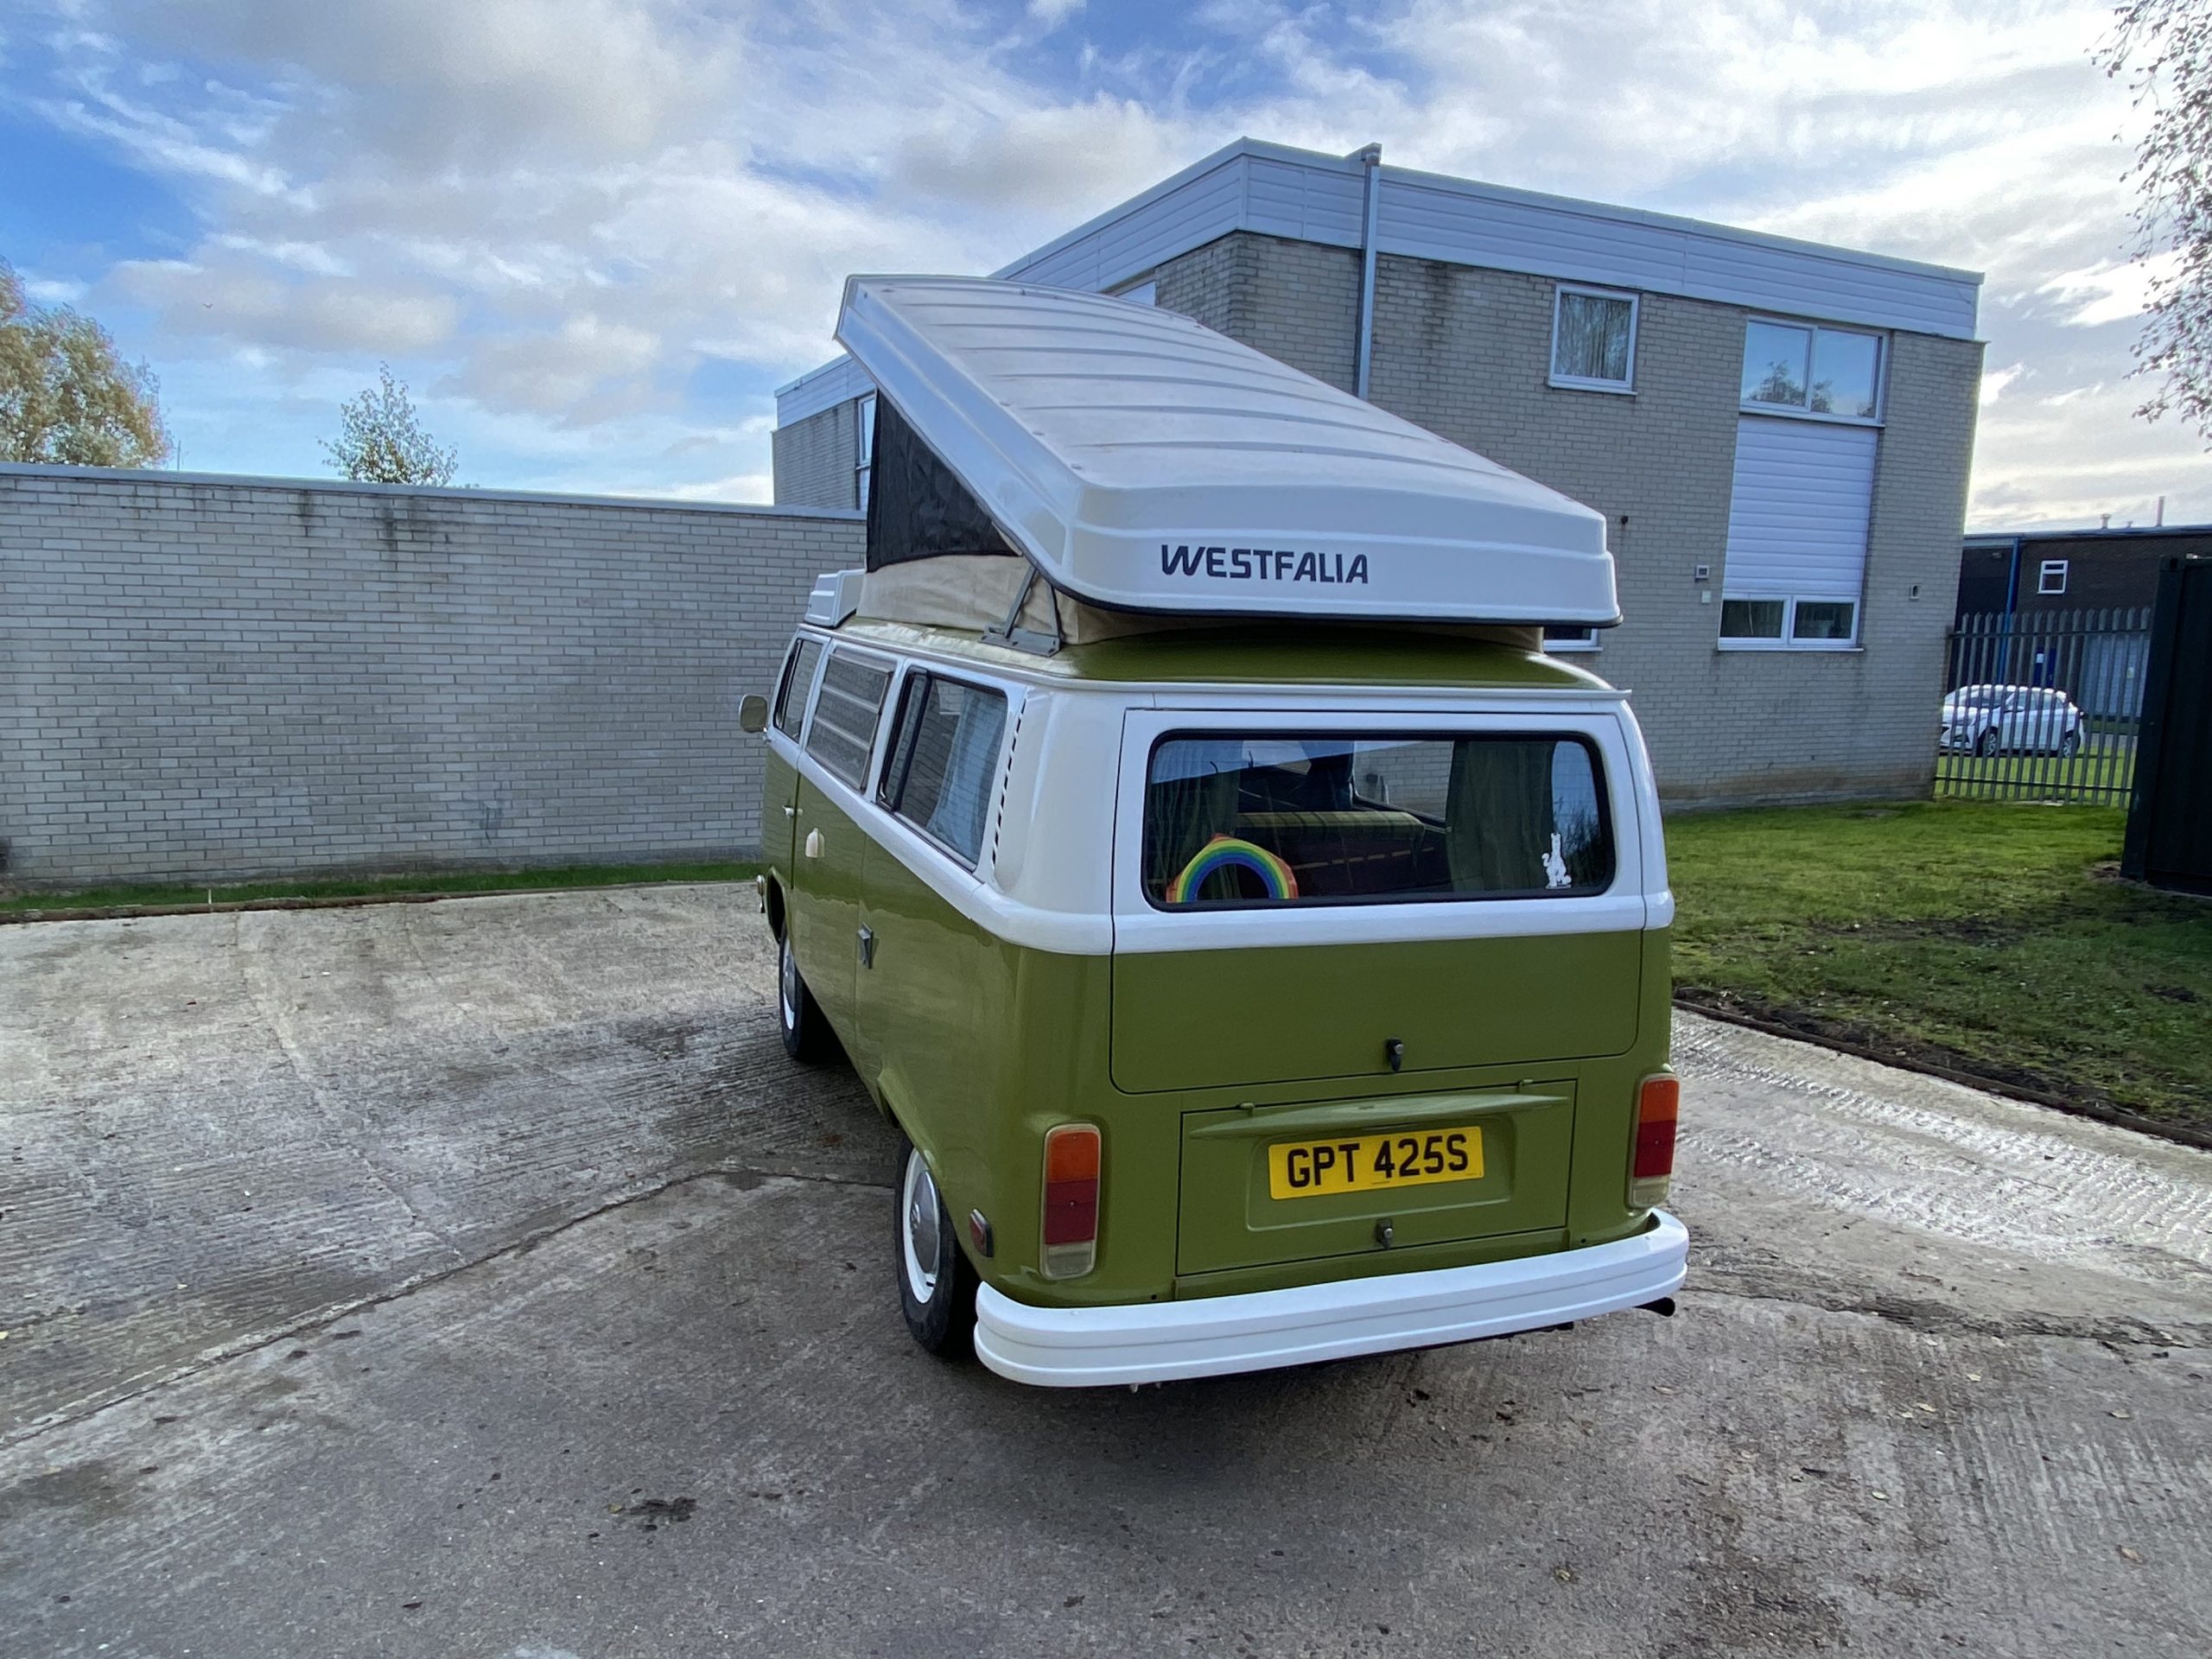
(2051,578)
(1795,369)
(1798,512)
(1779,623)
(1560,637)
(1593,339)
(1144,293)
(864,448)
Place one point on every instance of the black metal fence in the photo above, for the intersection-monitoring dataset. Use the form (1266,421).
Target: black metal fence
(2170,830)
(2044,706)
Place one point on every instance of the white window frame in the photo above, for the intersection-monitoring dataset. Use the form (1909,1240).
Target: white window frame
(2060,567)
(1144,293)
(1814,331)
(1584,382)
(1588,640)
(863,448)
(1789,641)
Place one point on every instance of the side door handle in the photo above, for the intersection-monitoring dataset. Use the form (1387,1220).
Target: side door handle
(867,947)
(790,811)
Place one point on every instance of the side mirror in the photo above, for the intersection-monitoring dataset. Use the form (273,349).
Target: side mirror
(753,713)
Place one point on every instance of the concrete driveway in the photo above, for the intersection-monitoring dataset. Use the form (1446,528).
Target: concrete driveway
(477,1279)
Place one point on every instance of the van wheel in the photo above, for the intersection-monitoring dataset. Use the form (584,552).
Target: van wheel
(936,1286)
(1987,745)
(806,1034)
(2070,746)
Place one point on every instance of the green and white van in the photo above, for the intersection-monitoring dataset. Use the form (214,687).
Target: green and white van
(1259,941)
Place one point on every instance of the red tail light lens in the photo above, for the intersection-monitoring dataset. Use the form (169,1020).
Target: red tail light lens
(1658,1103)
(1072,1160)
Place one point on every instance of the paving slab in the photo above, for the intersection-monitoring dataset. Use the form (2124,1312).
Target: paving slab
(478,1279)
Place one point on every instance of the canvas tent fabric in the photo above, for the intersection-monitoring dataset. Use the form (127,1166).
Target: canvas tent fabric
(1147,465)
(916,508)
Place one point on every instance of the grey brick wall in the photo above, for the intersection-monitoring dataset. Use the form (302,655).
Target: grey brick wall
(203,677)
(1298,302)
(1466,353)
(814,459)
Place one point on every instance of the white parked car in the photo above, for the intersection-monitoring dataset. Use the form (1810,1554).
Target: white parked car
(2018,719)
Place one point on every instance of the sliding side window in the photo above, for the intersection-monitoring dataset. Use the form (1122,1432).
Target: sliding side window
(845,713)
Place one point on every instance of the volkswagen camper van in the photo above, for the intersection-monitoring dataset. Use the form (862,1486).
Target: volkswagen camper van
(1258,941)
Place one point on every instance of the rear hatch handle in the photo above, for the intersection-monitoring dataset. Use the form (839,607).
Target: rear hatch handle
(1336,1116)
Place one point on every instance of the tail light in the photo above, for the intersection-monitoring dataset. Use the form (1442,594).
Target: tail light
(1071,1200)
(1658,1102)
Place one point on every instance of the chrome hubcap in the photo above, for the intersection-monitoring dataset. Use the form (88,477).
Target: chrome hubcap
(919,1202)
(787,983)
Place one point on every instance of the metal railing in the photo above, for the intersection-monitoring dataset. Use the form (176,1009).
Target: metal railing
(2043,705)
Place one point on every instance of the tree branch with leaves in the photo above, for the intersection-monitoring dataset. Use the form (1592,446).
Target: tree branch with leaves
(66,396)
(2164,48)
(381,441)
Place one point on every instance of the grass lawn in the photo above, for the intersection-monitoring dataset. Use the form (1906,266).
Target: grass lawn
(1987,937)
(2108,763)
(590,875)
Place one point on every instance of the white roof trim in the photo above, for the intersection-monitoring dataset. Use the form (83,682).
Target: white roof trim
(1145,463)
(1306,195)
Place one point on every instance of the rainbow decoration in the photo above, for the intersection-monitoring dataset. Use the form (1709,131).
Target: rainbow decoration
(1230,852)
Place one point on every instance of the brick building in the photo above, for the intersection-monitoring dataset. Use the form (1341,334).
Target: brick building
(2039,571)
(1778,433)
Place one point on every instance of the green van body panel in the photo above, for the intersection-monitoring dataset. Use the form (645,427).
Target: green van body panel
(825,928)
(977,1046)
(1193,1018)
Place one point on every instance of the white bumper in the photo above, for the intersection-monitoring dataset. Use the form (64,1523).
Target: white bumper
(1213,1336)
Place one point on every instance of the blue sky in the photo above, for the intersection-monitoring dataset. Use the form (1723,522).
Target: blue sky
(594,235)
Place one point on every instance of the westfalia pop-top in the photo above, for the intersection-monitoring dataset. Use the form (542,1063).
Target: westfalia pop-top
(1259,942)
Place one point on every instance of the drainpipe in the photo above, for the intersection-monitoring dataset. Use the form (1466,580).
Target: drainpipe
(1370,160)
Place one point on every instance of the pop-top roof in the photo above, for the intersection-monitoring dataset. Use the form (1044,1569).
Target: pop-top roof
(1145,463)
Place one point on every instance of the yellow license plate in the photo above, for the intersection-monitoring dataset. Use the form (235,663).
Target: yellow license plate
(1307,1169)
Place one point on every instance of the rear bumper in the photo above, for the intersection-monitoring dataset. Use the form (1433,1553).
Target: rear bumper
(1214,1336)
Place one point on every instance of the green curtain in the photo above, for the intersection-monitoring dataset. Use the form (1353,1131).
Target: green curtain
(1180,815)
(1499,809)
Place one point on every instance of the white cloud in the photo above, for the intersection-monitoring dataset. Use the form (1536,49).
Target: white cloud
(1995,382)
(1053,13)
(2109,292)
(50,291)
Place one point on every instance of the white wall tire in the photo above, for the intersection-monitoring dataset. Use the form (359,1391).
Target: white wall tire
(937,1286)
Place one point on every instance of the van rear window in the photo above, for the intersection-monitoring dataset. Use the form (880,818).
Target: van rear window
(1301,818)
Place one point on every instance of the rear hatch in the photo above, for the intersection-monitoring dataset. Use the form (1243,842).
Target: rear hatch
(1317,1024)
(1335,1112)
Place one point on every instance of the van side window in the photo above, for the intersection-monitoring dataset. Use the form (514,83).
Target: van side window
(1252,818)
(943,761)
(798,680)
(845,712)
